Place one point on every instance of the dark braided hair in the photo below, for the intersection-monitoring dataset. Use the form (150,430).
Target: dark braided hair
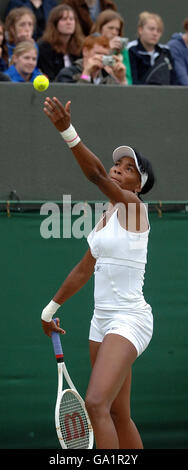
(145,166)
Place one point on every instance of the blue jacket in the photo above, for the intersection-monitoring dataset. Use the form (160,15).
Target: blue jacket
(16,77)
(179,52)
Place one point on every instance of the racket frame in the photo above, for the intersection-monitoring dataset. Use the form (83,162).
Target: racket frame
(62,371)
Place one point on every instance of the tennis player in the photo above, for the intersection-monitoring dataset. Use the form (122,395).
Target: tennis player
(122,323)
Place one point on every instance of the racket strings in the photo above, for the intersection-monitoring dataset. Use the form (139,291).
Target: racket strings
(73,422)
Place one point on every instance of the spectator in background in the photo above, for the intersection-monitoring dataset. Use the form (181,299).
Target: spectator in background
(151,62)
(88,10)
(61,43)
(91,68)
(111,24)
(3,49)
(23,66)
(178,45)
(19,26)
(40,8)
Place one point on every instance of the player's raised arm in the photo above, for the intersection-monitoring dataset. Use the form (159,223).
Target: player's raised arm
(90,164)
(60,116)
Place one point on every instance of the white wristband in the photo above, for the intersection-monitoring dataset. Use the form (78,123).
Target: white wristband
(49,311)
(70,136)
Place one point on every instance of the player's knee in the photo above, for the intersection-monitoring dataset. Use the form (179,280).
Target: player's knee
(95,406)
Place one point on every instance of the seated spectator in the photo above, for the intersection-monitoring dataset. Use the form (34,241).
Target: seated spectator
(19,26)
(61,43)
(3,49)
(111,24)
(23,66)
(40,8)
(88,10)
(151,62)
(178,45)
(91,68)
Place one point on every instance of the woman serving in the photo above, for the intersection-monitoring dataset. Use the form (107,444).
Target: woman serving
(122,323)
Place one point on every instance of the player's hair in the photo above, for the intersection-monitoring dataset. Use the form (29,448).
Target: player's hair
(23,47)
(145,16)
(145,166)
(105,17)
(52,36)
(90,41)
(12,17)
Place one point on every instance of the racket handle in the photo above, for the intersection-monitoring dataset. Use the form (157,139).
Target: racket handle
(57,345)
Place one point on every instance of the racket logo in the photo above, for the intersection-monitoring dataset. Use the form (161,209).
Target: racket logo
(74,426)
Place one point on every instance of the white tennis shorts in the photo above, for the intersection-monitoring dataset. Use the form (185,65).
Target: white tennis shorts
(136,326)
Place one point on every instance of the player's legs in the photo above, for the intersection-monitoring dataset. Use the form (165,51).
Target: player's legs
(128,435)
(112,360)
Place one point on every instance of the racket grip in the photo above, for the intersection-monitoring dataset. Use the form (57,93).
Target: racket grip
(57,345)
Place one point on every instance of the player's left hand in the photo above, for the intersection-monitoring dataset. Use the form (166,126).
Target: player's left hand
(48,327)
(59,115)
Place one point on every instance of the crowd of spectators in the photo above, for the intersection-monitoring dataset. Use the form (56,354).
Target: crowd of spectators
(77,41)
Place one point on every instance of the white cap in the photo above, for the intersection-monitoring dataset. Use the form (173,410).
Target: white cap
(125,151)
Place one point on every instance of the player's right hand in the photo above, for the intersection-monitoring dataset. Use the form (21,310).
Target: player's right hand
(48,327)
(59,115)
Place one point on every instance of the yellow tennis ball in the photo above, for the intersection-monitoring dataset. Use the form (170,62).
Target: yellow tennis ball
(41,83)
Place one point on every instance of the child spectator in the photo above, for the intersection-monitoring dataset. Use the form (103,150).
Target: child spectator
(40,8)
(151,62)
(23,66)
(91,69)
(19,26)
(111,25)
(61,42)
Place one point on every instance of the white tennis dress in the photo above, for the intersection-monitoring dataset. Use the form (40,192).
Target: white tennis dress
(120,307)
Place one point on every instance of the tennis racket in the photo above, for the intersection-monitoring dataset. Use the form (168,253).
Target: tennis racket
(72,422)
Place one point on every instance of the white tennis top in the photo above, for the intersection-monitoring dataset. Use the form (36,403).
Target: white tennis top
(121,256)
